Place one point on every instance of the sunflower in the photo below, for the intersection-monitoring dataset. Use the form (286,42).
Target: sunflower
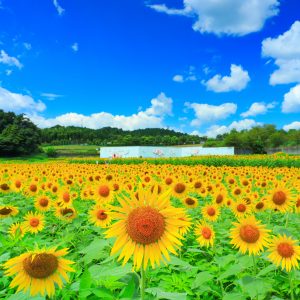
(179,189)
(42,203)
(8,211)
(281,199)
(147,228)
(186,227)
(241,209)
(190,202)
(104,193)
(99,216)
(34,222)
(205,234)
(211,212)
(4,188)
(17,230)
(66,213)
(38,271)
(297,205)
(249,235)
(284,252)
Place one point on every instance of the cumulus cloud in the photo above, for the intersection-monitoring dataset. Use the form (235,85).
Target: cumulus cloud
(285,50)
(59,9)
(236,81)
(187,76)
(75,47)
(293,125)
(9,60)
(291,102)
(206,113)
(152,117)
(19,103)
(258,108)
(229,17)
(178,78)
(215,130)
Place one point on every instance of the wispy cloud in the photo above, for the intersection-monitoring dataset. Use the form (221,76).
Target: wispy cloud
(51,96)
(59,9)
(75,47)
(9,60)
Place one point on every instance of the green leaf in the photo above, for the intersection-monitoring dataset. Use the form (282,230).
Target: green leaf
(94,250)
(101,271)
(224,260)
(85,280)
(103,293)
(178,262)
(233,270)
(160,294)
(255,287)
(129,290)
(201,278)
(267,270)
(234,296)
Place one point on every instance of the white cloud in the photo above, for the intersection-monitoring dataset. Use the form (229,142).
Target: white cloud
(215,130)
(231,17)
(75,47)
(293,125)
(178,78)
(152,117)
(8,72)
(27,46)
(285,50)
(160,106)
(51,96)
(258,108)
(59,9)
(291,102)
(206,113)
(19,103)
(9,60)
(237,81)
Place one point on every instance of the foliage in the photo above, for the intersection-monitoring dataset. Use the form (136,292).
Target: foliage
(18,135)
(51,152)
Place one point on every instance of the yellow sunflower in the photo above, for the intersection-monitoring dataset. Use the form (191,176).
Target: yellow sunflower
(205,234)
(66,213)
(4,188)
(38,271)
(34,222)
(281,199)
(284,252)
(42,203)
(249,235)
(99,216)
(17,230)
(190,202)
(147,228)
(8,211)
(211,212)
(186,227)
(241,209)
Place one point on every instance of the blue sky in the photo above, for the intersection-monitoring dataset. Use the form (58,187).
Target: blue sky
(191,65)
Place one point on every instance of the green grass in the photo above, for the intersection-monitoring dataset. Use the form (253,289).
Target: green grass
(74,150)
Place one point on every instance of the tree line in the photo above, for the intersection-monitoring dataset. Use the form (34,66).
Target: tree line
(19,136)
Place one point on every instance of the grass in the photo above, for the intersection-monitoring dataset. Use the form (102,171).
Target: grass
(74,150)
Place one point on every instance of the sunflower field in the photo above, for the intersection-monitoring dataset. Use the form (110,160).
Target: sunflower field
(149,231)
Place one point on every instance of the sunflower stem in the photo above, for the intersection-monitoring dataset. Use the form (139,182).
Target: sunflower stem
(291,285)
(286,220)
(142,282)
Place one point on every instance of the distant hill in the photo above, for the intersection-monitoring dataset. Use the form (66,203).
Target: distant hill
(108,136)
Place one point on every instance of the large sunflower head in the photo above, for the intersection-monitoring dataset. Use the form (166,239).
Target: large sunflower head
(281,199)
(147,228)
(42,203)
(249,235)
(211,212)
(38,271)
(99,216)
(284,252)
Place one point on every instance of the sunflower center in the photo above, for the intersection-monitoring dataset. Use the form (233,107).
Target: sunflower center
(18,183)
(189,201)
(211,211)
(67,212)
(197,185)
(66,197)
(101,215)
(5,211)
(145,225)
(285,250)
(41,265)
(44,202)
(237,191)
(103,191)
(33,188)
(249,234)
(4,187)
(219,199)
(298,203)
(179,188)
(241,207)
(168,181)
(259,205)
(279,197)
(206,233)
(34,222)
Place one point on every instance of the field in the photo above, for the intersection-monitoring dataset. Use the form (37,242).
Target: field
(166,229)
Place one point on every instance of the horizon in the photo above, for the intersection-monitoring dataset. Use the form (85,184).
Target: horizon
(195,67)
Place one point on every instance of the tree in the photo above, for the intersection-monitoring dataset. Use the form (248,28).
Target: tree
(19,136)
